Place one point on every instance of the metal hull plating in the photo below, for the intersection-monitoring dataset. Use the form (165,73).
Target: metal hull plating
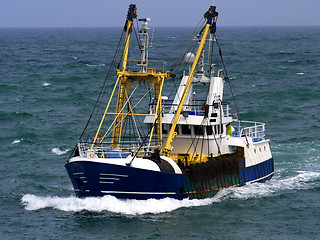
(99,179)
(94,179)
(260,173)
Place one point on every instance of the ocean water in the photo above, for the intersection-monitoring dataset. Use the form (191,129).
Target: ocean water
(50,79)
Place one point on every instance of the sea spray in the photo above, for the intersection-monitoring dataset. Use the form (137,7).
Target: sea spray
(110,203)
(156,206)
(57,151)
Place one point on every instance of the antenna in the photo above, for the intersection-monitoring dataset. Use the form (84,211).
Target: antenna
(144,44)
(152,37)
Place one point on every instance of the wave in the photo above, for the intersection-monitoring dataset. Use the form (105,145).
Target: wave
(17,141)
(46,84)
(57,151)
(111,204)
(303,180)
(98,65)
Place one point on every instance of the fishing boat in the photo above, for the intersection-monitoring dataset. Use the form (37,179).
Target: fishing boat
(152,134)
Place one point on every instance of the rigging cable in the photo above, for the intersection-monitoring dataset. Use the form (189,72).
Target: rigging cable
(144,140)
(186,47)
(100,94)
(135,33)
(104,87)
(228,80)
(120,112)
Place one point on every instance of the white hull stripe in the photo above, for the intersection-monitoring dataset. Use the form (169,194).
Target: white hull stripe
(110,174)
(107,182)
(152,193)
(260,178)
(105,178)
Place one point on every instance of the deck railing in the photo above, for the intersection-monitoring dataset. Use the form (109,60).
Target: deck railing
(195,108)
(104,149)
(135,65)
(255,130)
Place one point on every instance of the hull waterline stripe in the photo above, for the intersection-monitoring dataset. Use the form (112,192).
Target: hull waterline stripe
(110,174)
(150,193)
(260,178)
(77,190)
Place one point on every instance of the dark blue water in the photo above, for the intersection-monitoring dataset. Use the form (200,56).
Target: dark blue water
(50,79)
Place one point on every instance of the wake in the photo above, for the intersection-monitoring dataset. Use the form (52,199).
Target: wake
(110,203)
(303,180)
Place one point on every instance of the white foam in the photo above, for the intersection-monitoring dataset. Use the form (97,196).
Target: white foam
(92,65)
(110,203)
(17,141)
(303,180)
(46,84)
(300,73)
(75,58)
(57,151)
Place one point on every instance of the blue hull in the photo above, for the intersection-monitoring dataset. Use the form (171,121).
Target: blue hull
(258,173)
(93,179)
(99,179)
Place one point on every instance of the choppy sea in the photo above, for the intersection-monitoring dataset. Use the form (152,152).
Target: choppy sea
(49,81)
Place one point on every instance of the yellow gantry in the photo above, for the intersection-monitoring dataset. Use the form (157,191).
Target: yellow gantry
(124,83)
(156,78)
(172,133)
(126,80)
(131,15)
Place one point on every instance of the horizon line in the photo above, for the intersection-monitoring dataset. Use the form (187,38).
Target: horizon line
(235,26)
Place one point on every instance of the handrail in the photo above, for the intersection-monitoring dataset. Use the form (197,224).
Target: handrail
(196,107)
(255,130)
(130,67)
(105,147)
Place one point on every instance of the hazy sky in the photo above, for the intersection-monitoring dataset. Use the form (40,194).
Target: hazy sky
(105,13)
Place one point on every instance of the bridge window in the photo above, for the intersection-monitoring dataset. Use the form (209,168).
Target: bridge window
(218,129)
(186,129)
(176,130)
(198,130)
(209,130)
(164,128)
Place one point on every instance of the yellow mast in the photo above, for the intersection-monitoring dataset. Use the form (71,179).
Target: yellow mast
(126,80)
(124,85)
(132,14)
(210,14)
